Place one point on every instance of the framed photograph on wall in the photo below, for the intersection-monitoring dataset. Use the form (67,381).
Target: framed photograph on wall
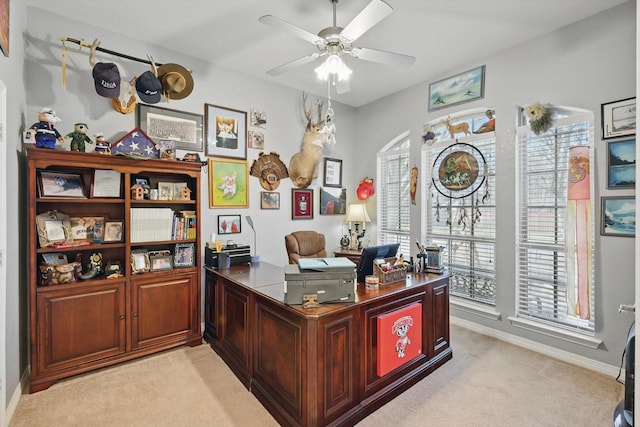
(332,172)
(269,200)
(618,216)
(458,89)
(621,164)
(228,183)
(619,118)
(301,203)
(225,132)
(333,201)
(165,124)
(229,224)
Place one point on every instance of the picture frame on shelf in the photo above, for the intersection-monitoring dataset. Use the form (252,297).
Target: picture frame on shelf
(106,184)
(332,172)
(458,89)
(82,226)
(140,261)
(229,224)
(167,150)
(165,190)
(160,260)
(619,118)
(184,255)
(621,164)
(269,200)
(301,203)
(618,216)
(166,124)
(98,233)
(113,231)
(177,190)
(225,132)
(228,183)
(60,184)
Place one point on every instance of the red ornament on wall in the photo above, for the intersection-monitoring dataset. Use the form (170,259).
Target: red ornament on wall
(365,189)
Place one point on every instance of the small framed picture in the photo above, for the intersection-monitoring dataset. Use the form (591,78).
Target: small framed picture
(167,149)
(301,203)
(160,260)
(621,164)
(269,200)
(140,261)
(619,118)
(165,190)
(185,255)
(55,259)
(225,132)
(618,216)
(229,224)
(181,191)
(332,172)
(55,230)
(113,231)
(106,183)
(98,233)
(333,201)
(58,184)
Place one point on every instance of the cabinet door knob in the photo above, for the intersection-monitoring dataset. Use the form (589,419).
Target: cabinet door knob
(122,317)
(135,314)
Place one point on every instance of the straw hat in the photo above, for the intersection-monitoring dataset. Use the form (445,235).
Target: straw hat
(177,82)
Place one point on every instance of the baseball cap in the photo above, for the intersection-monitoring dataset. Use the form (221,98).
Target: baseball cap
(107,79)
(149,88)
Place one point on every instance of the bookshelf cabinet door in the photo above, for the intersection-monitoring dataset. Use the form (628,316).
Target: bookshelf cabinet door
(79,326)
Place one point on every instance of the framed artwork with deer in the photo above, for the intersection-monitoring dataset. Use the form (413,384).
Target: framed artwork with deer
(225,132)
(458,89)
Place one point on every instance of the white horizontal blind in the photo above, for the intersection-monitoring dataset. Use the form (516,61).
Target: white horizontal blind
(465,227)
(541,214)
(394,200)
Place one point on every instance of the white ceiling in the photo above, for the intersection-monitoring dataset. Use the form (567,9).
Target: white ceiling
(444,35)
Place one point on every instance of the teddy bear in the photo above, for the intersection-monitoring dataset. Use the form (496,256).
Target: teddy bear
(79,137)
(46,135)
(539,118)
(102,145)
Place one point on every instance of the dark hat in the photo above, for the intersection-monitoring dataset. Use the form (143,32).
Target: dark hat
(177,82)
(107,79)
(149,88)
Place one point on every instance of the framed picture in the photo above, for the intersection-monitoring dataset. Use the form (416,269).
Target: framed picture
(165,124)
(58,184)
(160,260)
(229,224)
(301,203)
(82,227)
(113,231)
(269,200)
(165,190)
(184,255)
(140,179)
(98,233)
(106,183)
(178,190)
(228,183)
(332,172)
(4,26)
(167,150)
(258,118)
(621,164)
(618,216)
(458,89)
(333,201)
(225,132)
(619,118)
(140,261)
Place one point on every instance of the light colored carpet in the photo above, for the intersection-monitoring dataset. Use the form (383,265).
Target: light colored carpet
(487,383)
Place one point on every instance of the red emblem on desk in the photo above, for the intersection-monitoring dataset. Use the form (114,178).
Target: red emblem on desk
(399,338)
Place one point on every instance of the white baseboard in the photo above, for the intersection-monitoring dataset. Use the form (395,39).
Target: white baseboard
(15,397)
(555,353)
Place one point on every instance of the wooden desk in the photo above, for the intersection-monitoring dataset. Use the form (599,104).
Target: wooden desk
(317,367)
(353,255)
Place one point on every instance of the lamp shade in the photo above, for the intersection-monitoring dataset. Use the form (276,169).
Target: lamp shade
(357,212)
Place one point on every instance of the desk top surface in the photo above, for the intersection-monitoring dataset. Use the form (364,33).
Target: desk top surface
(268,280)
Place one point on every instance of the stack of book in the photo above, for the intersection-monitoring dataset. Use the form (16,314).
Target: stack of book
(151,224)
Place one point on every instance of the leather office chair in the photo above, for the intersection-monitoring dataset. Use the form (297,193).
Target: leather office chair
(304,244)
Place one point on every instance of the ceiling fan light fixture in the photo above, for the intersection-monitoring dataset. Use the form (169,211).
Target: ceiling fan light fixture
(335,66)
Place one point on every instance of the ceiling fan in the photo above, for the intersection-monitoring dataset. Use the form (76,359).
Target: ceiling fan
(337,41)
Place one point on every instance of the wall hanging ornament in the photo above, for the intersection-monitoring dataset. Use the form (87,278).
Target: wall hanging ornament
(365,189)
(269,169)
(413,186)
(459,171)
(539,118)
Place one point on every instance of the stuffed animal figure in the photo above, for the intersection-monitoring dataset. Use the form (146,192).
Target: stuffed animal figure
(79,137)
(46,135)
(539,118)
(102,145)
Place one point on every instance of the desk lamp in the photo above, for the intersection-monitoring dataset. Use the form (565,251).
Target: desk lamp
(254,258)
(357,212)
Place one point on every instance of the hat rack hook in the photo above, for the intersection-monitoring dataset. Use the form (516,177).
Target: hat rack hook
(83,43)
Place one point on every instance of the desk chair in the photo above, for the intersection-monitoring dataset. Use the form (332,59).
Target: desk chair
(304,244)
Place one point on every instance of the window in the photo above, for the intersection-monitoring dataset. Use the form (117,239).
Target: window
(543,226)
(459,203)
(394,202)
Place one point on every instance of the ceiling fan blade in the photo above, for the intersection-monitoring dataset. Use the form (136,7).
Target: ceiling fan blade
(383,57)
(373,13)
(297,31)
(292,64)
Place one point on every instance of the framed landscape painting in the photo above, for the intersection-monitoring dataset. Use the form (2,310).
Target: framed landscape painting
(458,89)
(618,216)
(621,164)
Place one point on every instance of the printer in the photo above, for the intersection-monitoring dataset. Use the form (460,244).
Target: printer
(314,281)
